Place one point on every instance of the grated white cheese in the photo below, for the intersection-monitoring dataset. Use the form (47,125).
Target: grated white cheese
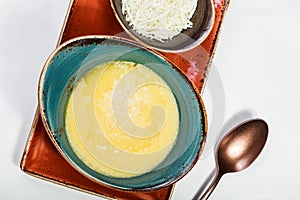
(159,19)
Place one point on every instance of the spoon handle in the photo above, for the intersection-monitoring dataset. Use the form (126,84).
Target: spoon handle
(209,189)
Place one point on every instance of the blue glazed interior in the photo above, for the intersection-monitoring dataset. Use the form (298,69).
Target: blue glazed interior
(75,59)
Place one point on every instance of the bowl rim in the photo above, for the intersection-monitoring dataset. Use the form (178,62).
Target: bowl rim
(186,48)
(51,134)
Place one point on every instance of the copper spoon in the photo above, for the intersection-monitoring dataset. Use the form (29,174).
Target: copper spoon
(237,150)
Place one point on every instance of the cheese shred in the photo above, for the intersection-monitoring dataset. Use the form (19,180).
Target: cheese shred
(159,19)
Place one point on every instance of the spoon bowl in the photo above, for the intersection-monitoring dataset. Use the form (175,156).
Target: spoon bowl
(241,146)
(237,150)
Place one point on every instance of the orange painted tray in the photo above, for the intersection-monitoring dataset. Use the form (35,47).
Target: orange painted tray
(95,17)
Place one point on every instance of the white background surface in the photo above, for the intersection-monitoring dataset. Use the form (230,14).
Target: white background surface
(258,61)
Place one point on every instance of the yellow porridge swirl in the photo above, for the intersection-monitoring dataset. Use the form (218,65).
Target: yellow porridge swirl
(122,119)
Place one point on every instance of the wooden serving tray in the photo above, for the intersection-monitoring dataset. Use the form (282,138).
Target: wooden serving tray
(95,17)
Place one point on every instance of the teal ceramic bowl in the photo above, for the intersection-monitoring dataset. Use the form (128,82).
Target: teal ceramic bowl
(73,59)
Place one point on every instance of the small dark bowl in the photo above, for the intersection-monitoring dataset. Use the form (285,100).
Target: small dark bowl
(202,19)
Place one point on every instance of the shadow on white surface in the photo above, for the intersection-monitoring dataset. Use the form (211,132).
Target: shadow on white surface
(214,100)
(234,121)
